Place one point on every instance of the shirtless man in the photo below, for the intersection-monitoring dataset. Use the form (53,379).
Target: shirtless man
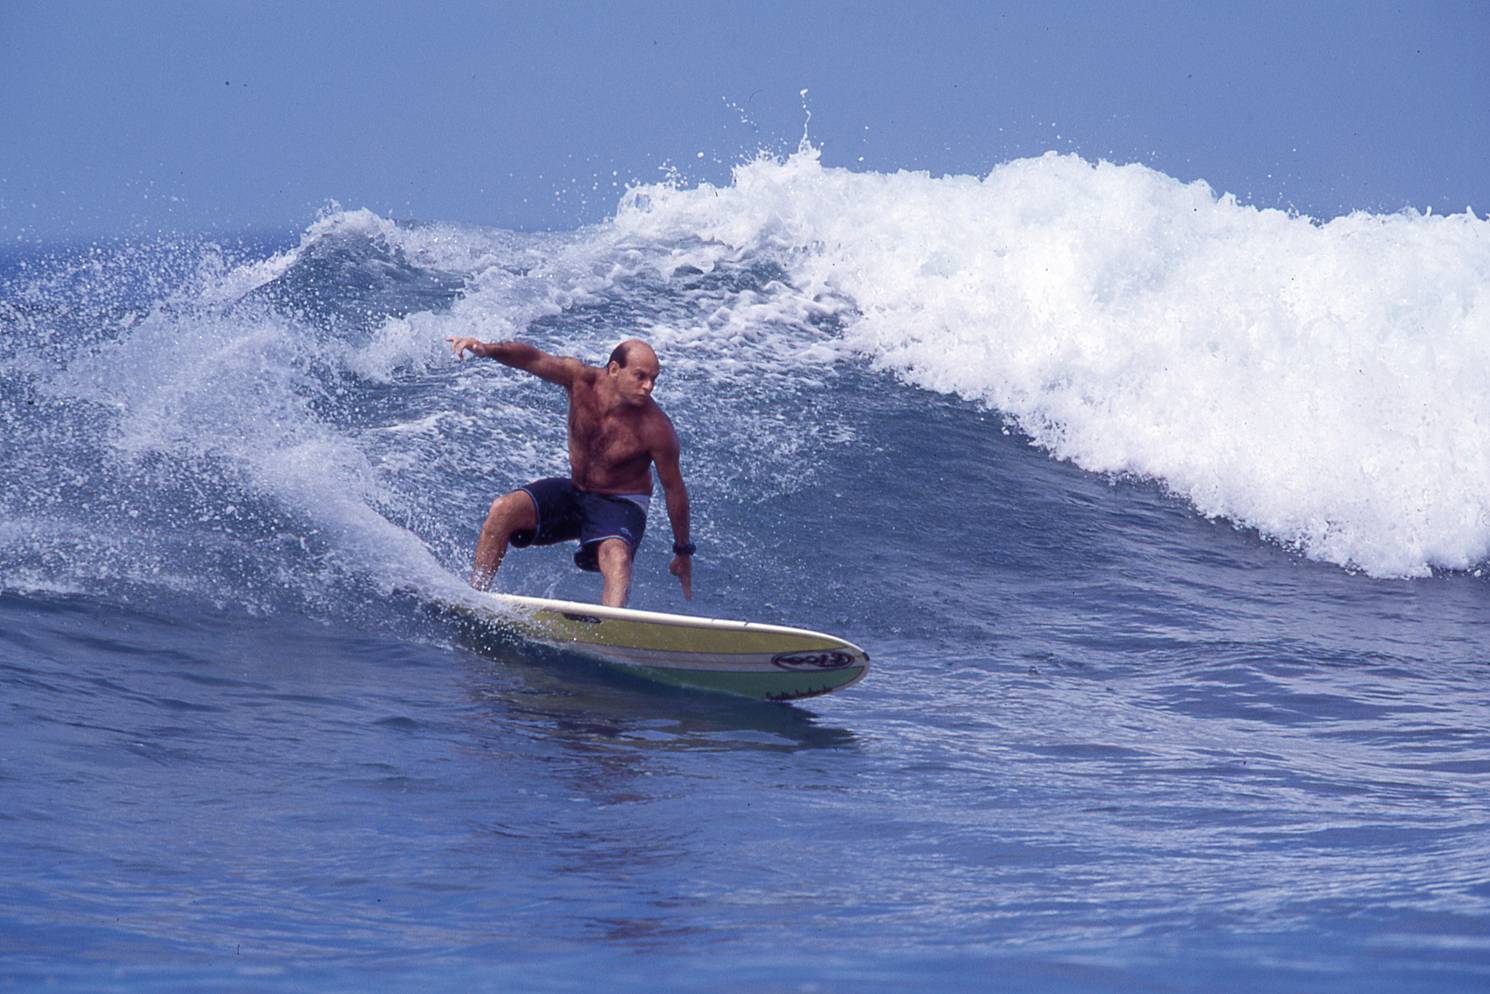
(616,434)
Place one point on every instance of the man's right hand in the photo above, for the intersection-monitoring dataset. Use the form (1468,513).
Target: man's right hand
(682,568)
(458,346)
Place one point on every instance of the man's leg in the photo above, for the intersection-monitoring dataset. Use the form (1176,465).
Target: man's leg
(509,513)
(614,559)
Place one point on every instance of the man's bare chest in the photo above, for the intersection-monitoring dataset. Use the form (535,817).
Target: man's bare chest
(608,438)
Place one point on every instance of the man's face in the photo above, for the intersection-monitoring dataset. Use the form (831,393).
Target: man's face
(635,381)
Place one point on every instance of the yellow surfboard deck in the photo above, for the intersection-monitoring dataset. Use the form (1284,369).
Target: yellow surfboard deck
(744,658)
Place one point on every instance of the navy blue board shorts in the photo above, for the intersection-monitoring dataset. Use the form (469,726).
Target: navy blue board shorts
(565,512)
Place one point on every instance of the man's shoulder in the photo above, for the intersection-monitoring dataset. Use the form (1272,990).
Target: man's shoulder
(659,425)
(585,376)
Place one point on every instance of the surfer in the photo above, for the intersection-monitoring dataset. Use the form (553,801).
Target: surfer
(617,433)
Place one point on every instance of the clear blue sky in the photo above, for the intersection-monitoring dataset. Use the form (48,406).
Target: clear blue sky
(126,118)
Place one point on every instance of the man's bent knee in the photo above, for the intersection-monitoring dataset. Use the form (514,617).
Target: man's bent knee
(613,552)
(512,512)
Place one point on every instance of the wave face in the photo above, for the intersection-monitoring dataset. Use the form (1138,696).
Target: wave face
(271,429)
(1324,384)
(1327,384)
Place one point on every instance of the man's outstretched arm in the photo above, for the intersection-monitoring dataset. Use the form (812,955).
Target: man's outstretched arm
(555,369)
(665,456)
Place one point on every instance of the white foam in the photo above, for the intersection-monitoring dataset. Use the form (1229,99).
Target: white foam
(710,335)
(1325,383)
(231,399)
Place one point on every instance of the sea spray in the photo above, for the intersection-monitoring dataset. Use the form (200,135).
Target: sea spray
(1326,383)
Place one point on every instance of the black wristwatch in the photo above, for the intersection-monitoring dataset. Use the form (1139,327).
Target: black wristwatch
(684,549)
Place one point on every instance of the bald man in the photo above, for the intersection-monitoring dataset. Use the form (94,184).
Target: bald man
(617,433)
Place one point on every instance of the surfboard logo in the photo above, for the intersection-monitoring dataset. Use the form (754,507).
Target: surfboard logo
(831,660)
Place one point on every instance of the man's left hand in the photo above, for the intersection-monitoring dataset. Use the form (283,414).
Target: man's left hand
(682,568)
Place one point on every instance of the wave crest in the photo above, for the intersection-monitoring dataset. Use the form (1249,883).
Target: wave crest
(1323,383)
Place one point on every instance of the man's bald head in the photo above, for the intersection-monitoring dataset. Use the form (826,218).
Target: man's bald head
(630,351)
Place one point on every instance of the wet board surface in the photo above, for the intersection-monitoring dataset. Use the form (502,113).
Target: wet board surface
(743,658)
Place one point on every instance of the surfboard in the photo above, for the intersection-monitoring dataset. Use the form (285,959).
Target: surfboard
(743,658)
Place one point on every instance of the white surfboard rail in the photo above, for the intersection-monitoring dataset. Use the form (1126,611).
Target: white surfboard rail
(744,658)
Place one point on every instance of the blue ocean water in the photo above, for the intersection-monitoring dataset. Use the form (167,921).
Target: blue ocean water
(1163,519)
